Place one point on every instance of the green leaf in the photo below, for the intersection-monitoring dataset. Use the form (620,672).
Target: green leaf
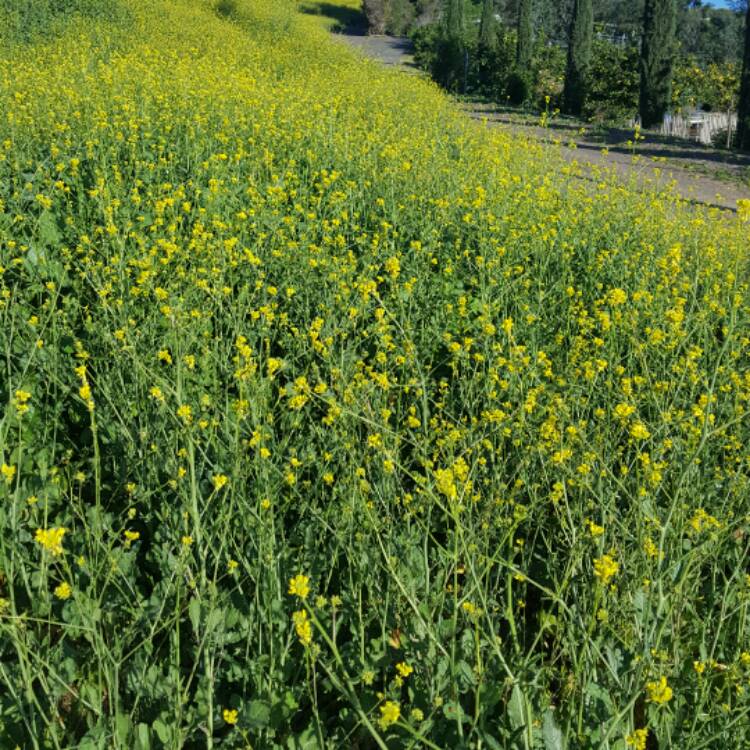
(194,612)
(258,714)
(143,737)
(122,728)
(515,708)
(163,731)
(551,732)
(452,711)
(49,234)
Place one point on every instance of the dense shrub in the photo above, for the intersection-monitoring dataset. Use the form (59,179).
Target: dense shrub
(389,16)
(613,82)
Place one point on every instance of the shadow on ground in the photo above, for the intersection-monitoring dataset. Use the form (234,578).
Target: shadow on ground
(346,19)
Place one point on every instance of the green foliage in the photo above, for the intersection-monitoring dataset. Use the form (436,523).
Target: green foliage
(743,129)
(488,26)
(400,17)
(711,87)
(525,32)
(519,82)
(28,20)
(613,83)
(709,34)
(577,71)
(454,20)
(330,418)
(657,59)
(226,8)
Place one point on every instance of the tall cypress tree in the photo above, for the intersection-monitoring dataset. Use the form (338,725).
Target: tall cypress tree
(488,26)
(523,47)
(454,19)
(579,57)
(657,58)
(743,112)
(519,83)
(450,65)
(487,48)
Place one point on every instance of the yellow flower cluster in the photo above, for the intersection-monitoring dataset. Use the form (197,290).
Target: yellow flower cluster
(658,691)
(51,539)
(605,568)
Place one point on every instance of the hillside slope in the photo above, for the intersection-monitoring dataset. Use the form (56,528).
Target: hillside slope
(331,418)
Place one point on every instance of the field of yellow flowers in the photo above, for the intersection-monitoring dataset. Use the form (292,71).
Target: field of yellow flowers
(330,419)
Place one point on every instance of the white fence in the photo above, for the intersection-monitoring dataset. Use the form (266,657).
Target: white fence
(699,126)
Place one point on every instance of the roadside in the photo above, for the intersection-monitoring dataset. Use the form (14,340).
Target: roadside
(699,174)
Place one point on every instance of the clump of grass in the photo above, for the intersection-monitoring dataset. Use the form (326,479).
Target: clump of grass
(227,8)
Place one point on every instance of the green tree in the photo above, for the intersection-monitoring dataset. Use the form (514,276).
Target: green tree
(454,19)
(579,57)
(450,64)
(487,57)
(743,113)
(657,59)
(519,82)
(488,26)
(525,33)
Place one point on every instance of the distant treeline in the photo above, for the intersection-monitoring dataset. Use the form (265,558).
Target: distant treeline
(602,59)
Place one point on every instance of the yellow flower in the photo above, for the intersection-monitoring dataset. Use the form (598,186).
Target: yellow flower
(302,627)
(22,397)
(274,365)
(230,716)
(624,410)
(185,413)
(658,692)
(605,568)
(390,712)
(299,586)
(63,591)
(187,540)
(51,539)
(702,521)
(445,484)
(404,669)
(594,529)
(131,536)
(617,297)
(219,480)
(638,739)
(650,548)
(639,431)
(8,472)
(393,267)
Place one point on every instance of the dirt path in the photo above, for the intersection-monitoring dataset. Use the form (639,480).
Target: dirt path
(389,50)
(702,175)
